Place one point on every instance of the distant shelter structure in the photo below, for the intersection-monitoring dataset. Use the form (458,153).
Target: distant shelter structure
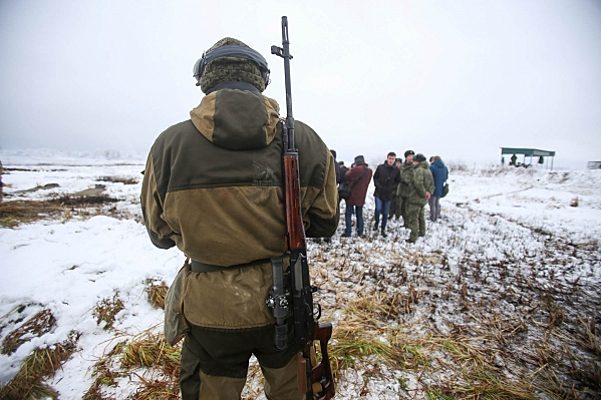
(544,157)
(593,165)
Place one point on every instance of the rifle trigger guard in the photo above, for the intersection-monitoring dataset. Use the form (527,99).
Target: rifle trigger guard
(317,311)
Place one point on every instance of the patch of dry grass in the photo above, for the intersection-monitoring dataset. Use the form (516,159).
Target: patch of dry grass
(157,290)
(41,364)
(463,365)
(119,179)
(147,359)
(16,212)
(156,389)
(107,309)
(104,373)
(39,324)
(151,351)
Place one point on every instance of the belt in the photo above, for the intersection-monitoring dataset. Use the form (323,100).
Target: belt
(197,266)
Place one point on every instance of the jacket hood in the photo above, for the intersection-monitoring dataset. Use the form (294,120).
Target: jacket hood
(237,119)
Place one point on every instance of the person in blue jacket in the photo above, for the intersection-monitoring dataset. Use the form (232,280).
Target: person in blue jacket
(440,173)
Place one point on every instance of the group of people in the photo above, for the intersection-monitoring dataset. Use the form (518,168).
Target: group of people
(402,189)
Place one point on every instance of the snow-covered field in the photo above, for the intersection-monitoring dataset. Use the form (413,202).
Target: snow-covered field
(506,285)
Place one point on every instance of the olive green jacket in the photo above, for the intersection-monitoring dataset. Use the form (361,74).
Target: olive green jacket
(213,187)
(406,171)
(420,182)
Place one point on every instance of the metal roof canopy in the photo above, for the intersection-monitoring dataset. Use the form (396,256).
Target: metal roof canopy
(527,152)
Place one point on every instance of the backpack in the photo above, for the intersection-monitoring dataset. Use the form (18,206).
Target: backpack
(445,189)
(344,190)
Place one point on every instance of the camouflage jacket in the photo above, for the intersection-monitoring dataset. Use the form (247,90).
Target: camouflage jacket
(213,187)
(421,181)
(406,172)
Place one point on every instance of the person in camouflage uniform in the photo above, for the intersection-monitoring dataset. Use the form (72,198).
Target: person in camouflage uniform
(403,187)
(213,187)
(421,186)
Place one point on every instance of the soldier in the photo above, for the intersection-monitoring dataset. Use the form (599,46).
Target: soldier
(213,187)
(403,187)
(421,186)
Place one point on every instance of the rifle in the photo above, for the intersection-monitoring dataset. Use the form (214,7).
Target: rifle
(314,379)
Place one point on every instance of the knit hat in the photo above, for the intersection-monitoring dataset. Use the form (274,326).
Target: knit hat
(230,68)
(419,157)
(359,160)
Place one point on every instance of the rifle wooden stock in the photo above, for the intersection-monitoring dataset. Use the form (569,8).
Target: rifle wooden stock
(294,219)
(322,373)
(321,386)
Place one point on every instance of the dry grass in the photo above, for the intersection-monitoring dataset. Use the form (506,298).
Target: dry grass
(463,365)
(157,389)
(119,179)
(157,290)
(16,212)
(36,326)
(147,359)
(104,374)
(151,351)
(107,309)
(39,365)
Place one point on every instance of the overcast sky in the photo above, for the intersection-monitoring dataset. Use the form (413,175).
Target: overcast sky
(454,78)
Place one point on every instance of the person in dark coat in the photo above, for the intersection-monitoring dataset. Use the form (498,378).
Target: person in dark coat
(358,177)
(440,173)
(386,179)
(395,203)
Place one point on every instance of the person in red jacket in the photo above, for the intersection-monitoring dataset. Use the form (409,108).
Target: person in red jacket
(358,177)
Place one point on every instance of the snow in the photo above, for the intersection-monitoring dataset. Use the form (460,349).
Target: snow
(68,265)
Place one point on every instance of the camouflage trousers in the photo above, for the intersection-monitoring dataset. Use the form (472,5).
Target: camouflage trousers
(214,364)
(396,207)
(403,206)
(415,221)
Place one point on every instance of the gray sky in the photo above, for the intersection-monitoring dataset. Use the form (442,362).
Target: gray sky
(454,78)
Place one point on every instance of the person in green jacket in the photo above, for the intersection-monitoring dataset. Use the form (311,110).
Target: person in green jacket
(421,186)
(213,187)
(402,190)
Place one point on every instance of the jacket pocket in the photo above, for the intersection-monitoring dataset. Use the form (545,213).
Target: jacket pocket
(229,299)
(175,326)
